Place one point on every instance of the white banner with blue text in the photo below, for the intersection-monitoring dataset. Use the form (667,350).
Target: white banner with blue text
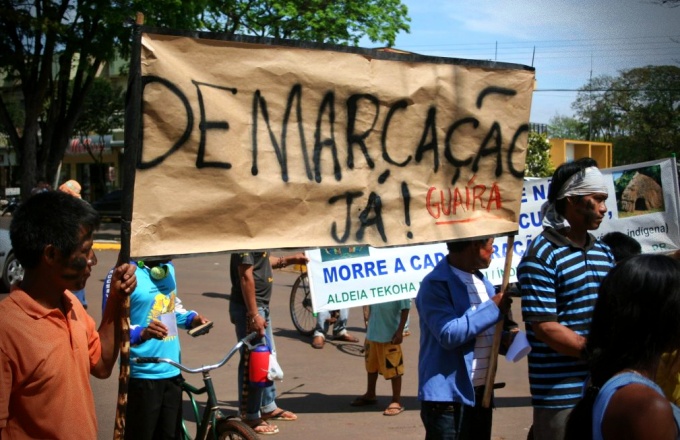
(644,203)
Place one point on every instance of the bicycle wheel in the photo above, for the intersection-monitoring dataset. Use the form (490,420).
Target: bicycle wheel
(232,429)
(301,306)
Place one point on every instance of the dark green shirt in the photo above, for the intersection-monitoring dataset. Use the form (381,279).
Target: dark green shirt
(262,272)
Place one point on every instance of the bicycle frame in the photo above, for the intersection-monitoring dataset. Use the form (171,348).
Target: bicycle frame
(208,419)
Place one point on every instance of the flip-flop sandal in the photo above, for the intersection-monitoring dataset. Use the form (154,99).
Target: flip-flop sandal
(262,427)
(393,410)
(362,401)
(282,415)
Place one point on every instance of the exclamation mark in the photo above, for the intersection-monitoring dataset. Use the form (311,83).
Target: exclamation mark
(407,203)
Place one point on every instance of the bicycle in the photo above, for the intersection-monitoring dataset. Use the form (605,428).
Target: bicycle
(212,421)
(300,305)
(301,313)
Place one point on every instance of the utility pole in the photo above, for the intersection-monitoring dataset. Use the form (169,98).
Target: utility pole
(590,99)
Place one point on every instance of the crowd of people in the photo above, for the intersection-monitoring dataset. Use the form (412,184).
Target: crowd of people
(601,319)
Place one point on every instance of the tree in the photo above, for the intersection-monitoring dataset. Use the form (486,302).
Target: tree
(639,111)
(567,127)
(52,52)
(321,21)
(594,109)
(538,156)
(102,109)
(102,112)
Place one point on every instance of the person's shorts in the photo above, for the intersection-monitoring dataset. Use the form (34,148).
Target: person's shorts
(384,358)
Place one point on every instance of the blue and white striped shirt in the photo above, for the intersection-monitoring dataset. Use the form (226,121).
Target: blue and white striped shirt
(559,283)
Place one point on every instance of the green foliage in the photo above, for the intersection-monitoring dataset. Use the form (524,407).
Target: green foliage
(538,156)
(566,127)
(321,21)
(52,52)
(639,111)
(102,109)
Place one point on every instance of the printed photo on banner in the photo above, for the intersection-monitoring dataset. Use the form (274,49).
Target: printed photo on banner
(647,211)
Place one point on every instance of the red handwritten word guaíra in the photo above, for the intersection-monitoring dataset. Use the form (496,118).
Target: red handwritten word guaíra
(447,202)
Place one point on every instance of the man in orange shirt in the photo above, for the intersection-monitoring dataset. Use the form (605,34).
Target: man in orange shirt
(48,343)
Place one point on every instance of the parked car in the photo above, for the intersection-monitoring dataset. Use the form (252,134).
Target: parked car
(109,206)
(12,271)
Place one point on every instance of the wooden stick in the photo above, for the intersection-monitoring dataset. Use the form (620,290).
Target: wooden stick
(498,333)
(131,146)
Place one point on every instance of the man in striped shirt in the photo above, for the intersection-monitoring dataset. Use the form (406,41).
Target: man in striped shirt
(559,278)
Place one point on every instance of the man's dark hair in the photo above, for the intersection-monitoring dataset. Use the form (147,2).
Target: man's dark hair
(461,245)
(562,174)
(622,245)
(49,218)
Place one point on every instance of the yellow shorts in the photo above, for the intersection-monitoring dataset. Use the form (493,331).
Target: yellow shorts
(384,358)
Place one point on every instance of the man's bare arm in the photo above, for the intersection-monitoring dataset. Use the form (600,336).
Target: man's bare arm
(560,338)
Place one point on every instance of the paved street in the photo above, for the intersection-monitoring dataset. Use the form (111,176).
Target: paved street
(318,384)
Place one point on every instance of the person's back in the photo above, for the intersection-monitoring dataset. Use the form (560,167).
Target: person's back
(634,323)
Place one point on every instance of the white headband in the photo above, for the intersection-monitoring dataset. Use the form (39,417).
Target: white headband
(582,183)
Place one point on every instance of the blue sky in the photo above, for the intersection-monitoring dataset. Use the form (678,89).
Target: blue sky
(570,38)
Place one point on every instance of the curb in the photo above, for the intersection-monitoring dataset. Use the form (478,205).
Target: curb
(106,245)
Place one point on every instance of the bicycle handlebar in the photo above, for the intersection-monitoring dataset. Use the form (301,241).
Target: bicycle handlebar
(205,368)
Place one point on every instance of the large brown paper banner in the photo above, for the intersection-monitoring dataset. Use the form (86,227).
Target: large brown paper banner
(262,146)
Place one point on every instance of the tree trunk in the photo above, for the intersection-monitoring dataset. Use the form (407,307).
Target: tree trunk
(28,164)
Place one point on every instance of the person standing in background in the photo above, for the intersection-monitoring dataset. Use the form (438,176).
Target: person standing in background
(154,409)
(382,352)
(73,188)
(251,289)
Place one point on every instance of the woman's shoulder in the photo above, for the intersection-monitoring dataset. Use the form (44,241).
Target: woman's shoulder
(637,410)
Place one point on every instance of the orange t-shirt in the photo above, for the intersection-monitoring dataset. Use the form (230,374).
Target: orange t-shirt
(45,362)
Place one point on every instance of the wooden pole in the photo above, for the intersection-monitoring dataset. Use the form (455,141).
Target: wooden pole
(132,130)
(498,333)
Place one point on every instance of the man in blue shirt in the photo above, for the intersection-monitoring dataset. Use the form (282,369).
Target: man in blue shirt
(458,308)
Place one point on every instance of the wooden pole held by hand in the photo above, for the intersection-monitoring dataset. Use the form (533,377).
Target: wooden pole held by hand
(132,123)
(498,333)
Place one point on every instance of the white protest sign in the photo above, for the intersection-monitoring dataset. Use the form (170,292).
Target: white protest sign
(356,276)
(352,277)
(657,227)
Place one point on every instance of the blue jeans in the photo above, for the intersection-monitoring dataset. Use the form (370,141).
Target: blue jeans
(322,324)
(259,399)
(455,421)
